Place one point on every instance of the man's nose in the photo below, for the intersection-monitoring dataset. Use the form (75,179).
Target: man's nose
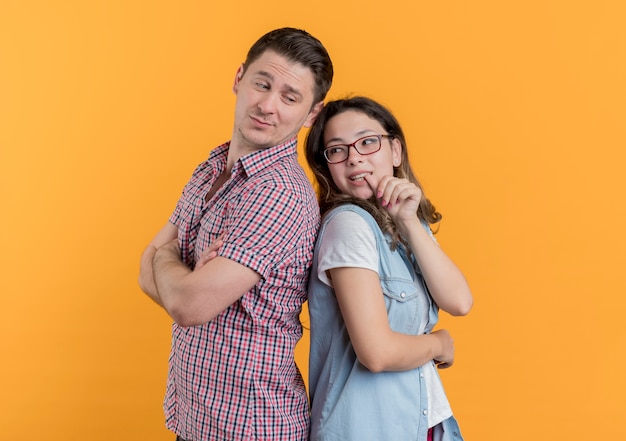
(267,104)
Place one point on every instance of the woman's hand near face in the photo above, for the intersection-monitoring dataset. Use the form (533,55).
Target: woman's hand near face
(399,197)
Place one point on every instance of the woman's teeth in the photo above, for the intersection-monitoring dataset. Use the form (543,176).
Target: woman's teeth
(358,177)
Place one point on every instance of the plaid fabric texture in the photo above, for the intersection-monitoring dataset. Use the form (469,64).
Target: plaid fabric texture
(235,378)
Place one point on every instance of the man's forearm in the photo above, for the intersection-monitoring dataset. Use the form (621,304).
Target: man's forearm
(146,275)
(166,235)
(168,273)
(196,297)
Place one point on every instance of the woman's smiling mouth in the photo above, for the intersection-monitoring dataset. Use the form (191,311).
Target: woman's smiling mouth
(359,177)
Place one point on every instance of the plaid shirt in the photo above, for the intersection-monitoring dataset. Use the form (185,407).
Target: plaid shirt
(235,378)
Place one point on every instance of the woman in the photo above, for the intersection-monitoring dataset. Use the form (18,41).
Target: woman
(376,285)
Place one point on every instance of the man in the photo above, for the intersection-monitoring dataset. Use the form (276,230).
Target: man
(231,265)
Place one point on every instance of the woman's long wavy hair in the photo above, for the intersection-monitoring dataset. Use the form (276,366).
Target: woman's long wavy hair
(329,195)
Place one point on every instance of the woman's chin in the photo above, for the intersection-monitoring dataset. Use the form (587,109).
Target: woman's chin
(362,194)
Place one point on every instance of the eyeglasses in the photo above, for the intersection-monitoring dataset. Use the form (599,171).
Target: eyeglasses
(367,145)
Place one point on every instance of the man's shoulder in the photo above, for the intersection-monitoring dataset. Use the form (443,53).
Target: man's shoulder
(286,174)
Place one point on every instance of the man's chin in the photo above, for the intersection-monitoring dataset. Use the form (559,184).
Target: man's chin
(257,140)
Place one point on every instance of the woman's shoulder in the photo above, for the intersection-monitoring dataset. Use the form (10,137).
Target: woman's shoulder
(348,211)
(349,221)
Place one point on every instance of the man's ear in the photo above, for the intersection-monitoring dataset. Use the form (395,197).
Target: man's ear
(238,77)
(315,110)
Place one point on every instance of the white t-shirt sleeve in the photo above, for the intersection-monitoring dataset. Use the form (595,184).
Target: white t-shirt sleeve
(348,241)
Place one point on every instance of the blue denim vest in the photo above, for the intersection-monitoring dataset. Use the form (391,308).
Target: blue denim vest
(348,401)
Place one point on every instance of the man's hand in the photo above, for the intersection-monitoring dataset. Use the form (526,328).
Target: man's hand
(196,297)
(210,252)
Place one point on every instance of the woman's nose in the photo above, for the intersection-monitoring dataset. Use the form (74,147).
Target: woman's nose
(353,155)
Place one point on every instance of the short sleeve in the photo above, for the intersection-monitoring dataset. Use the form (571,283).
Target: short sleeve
(347,241)
(263,222)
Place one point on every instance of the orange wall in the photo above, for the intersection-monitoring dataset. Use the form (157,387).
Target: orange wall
(515,114)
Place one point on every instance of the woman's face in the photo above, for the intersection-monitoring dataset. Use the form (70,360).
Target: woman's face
(358,175)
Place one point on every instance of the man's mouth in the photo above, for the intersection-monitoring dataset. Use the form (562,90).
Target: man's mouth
(261,120)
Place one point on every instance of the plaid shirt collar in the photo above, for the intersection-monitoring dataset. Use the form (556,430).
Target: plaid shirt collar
(254,162)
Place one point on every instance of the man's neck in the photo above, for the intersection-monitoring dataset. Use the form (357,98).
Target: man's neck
(221,179)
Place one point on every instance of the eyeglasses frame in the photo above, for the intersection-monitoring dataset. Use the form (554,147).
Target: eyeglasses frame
(353,144)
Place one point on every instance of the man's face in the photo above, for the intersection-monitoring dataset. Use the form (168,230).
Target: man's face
(274,100)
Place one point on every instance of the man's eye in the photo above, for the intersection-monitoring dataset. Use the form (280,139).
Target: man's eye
(262,85)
